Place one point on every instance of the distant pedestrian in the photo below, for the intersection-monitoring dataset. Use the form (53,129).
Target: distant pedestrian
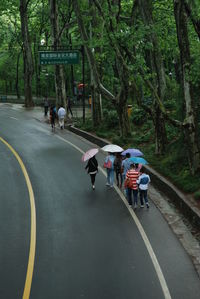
(61,117)
(92,167)
(109,165)
(69,106)
(143,183)
(118,169)
(132,175)
(53,115)
(46,106)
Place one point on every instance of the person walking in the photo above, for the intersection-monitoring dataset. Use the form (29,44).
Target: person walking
(143,183)
(92,167)
(69,107)
(132,175)
(46,106)
(53,116)
(61,117)
(125,167)
(118,169)
(110,169)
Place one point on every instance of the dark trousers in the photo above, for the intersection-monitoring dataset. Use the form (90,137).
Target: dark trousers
(135,196)
(143,197)
(45,110)
(92,176)
(69,110)
(119,174)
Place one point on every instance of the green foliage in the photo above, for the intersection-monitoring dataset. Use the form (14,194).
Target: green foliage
(111,118)
(197,195)
(138,116)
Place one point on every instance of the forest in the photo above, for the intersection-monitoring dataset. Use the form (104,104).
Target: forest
(141,54)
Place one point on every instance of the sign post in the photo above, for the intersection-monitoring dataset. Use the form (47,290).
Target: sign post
(58,57)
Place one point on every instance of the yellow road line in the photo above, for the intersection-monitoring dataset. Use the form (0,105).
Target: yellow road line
(30,268)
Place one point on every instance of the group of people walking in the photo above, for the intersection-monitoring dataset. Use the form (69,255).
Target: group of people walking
(60,115)
(54,114)
(130,176)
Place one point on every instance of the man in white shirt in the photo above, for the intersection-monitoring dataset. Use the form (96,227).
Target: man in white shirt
(61,116)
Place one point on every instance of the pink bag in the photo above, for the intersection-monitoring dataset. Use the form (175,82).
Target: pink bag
(107,164)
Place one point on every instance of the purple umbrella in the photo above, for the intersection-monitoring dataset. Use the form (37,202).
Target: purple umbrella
(134,152)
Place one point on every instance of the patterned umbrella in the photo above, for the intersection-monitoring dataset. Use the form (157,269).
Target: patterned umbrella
(134,152)
(89,154)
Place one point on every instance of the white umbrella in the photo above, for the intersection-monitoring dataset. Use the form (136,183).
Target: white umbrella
(112,148)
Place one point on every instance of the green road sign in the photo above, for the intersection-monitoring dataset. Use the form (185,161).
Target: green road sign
(58,57)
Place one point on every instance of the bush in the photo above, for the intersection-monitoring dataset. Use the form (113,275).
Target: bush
(197,195)
(138,116)
(111,118)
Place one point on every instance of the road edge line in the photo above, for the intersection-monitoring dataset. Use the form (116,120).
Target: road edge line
(147,243)
(30,268)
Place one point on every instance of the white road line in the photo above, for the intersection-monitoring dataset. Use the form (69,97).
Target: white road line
(140,228)
(13,118)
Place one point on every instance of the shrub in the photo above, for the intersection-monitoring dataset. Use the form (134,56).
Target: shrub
(138,116)
(197,195)
(111,118)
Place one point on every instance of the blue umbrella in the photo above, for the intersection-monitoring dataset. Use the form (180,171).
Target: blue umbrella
(134,152)
(138,160)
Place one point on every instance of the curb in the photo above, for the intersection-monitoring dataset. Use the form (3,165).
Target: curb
(187,207)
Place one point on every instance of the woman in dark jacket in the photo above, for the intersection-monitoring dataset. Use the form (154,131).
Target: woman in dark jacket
(92,167)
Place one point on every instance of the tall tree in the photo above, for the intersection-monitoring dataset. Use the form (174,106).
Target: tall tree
(190,122)
(59,70)
(96,97)
(156,66)
(27,54)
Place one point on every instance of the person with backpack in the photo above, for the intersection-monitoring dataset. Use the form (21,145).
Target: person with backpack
(109,165)
(92,167)
(132,176)
(118,169)
(143,182)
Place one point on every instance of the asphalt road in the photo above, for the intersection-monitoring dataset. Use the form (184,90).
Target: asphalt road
(89,244)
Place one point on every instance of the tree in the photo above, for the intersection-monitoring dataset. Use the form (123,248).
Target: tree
(190,122)
(59,71)
(27,54)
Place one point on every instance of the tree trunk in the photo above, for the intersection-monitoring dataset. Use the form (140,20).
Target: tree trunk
(190,122)
(96,109)
(156,66)
(27,54)
(59,70)
(123,113)
(37,68)
(17,76)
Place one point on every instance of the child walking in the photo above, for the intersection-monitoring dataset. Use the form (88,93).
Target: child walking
(143,183)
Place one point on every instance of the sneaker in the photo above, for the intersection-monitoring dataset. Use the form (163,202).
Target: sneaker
(135,206)
(107,184)
(147,206)
(142,206)
(111,186)
(130,206)
(93,187)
